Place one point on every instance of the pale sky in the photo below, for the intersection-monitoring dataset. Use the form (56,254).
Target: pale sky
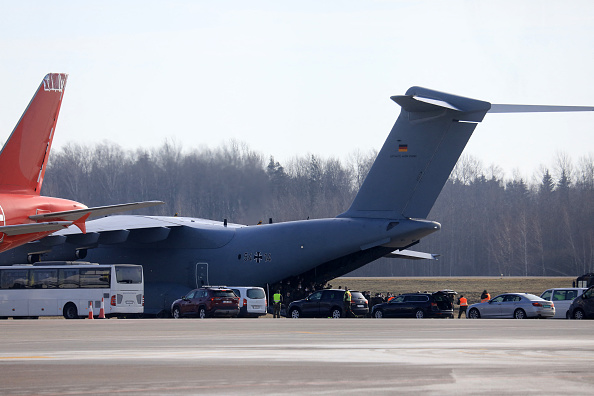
(291,78)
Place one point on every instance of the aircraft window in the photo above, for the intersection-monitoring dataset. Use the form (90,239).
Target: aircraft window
(256,293)
(315,296)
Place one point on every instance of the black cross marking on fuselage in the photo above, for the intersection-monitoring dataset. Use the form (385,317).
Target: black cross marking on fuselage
(258,257)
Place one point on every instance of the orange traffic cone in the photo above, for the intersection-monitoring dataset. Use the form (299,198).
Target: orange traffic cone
(102,310)
(90,310)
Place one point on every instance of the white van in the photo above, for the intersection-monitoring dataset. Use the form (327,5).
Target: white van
(562,298)
(252,300)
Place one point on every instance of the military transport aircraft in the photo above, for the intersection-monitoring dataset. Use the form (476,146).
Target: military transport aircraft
(387,215)
(25,215)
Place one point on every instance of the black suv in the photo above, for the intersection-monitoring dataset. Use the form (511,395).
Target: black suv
(416,305)
(207,301)
(327,303)
(582,306)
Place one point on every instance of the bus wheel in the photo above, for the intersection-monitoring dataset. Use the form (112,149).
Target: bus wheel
(70,311)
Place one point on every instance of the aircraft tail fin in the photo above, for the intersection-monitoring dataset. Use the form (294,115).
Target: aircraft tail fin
(418,155)
(23,158)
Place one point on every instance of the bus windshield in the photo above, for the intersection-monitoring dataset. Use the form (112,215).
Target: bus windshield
(128,274)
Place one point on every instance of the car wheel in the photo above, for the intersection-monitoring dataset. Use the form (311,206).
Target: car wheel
(419,314)
(176,314)
(520,314)
(578,314)
(378,314)
(295,314)
(336,313)
(70,311)
(202,313)
(474,314)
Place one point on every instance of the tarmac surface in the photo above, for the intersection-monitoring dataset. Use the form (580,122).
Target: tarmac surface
(296,356)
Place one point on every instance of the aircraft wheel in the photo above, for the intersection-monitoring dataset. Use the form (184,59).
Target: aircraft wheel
(70,311)
(578,314)
(474,314)
(176,314)
(295,314)
(520,314)
(419,314)
(378,314)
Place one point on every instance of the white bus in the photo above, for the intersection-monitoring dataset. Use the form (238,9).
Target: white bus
(69,288)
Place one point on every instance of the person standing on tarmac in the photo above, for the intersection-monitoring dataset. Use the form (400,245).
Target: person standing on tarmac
(347,302)
(277,298)
(485,296)
(463,303)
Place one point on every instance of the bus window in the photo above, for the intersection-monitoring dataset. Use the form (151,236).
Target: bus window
(128,274)
(68,278)
(15,279)
(94,278)
(45,278)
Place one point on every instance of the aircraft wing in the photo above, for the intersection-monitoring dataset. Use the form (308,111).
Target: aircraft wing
(99,211)
(124,222)
(412,255)
(20,229)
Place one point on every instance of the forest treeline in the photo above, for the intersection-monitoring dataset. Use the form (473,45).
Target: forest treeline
(490,225)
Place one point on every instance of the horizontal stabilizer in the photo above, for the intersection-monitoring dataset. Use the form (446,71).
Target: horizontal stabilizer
(98,211)
(412,255)
(514,108)
(20,229)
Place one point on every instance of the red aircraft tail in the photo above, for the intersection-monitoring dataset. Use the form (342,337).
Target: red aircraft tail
(23,158)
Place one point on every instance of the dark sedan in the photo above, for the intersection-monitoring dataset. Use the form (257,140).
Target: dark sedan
(328,304)
(415,305)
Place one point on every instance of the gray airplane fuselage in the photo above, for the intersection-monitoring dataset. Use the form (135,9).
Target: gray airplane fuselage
(198,252)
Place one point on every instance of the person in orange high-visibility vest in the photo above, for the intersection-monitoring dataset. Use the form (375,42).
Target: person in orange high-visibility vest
(463,303)
(485,296)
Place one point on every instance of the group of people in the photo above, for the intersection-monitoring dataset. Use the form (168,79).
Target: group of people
(292,290)
(463,302)
(286,293)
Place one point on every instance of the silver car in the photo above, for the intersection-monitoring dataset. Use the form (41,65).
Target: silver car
(512,305)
